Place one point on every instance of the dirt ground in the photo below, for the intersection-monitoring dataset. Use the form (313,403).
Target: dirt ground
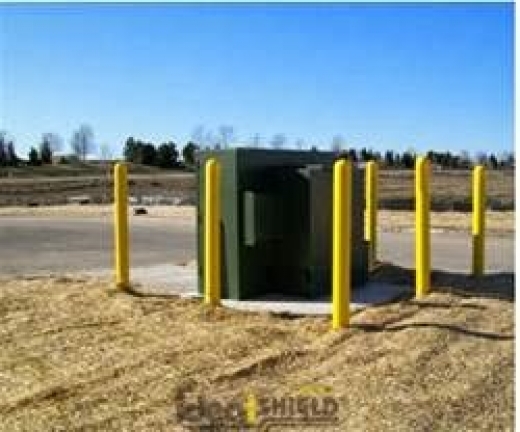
(47,191)
(78,355)
(450,190)
(497,222)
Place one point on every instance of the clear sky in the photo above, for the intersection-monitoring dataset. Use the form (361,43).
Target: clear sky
(436,76)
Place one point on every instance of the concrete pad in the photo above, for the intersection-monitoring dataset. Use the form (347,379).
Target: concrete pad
(371,294)
(162,279)
(181,280)
(166,279)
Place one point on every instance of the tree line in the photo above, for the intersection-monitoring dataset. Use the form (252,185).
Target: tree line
(169,155)
(81,145)
(443,160)
(165,155)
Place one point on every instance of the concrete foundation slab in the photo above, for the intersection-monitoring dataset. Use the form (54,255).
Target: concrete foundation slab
(370,294)
(182,280)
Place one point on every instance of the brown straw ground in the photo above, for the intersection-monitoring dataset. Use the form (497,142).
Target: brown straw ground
(78,355)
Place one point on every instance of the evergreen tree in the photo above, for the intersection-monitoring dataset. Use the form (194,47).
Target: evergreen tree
(131,151)
(45,152)
(12,158)
(167,155)
(188,153)
(34,159)
(493,162)
(389,158)
(148,154)
(408,160)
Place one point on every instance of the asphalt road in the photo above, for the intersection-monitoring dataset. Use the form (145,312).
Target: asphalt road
(34,245)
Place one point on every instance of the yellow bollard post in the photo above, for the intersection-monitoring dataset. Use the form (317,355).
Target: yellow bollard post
(121,249)
(422,227)
(341,243)
(251,409)
(371,178)
(212,233)
(479,219)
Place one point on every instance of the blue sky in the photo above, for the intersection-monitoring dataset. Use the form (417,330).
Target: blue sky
(384,76)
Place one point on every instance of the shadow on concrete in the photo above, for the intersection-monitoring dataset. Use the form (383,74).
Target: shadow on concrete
(492,285)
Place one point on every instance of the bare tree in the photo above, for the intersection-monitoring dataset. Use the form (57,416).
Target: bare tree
(481,158)
(204,138)
(411,150)
(506,159)
(464,159)
(4,140)
(226,135)
(54,140)
(299,144)
(50,144)
(82,142)
(211,141)
(8,155)
(278,141)
(198,136)
(105,152)
(338,143)
(256,141)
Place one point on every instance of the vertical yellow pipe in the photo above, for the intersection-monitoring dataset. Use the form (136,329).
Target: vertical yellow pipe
(479,219)
(212,233)
(371,178)
(422,227)
(341,247)
(121,248)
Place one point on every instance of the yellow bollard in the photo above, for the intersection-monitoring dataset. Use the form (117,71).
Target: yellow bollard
(251,409)
(212,233)
(341,243)
(122,258)
(479,219)
(422,227)
(371,178)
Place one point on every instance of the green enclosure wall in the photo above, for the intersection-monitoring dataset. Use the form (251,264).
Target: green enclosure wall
(276,223)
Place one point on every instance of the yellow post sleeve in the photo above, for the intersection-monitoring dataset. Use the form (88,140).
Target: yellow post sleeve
(422,227)
(212,233)
(341,243)
(371,178)
(121,247)
(479,219)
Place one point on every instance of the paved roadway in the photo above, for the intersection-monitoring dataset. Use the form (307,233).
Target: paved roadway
(33,245)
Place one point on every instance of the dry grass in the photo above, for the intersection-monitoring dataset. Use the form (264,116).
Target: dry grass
(450,189)
(77,355)
(56,190)
(497,222)
(176,213)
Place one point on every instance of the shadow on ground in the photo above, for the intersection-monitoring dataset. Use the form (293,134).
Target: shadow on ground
(448,327)
(491,285)
(463,286)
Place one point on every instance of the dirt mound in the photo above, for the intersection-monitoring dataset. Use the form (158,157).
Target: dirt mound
(77,354)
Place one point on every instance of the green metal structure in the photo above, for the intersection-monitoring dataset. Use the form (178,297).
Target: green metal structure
(276,222)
